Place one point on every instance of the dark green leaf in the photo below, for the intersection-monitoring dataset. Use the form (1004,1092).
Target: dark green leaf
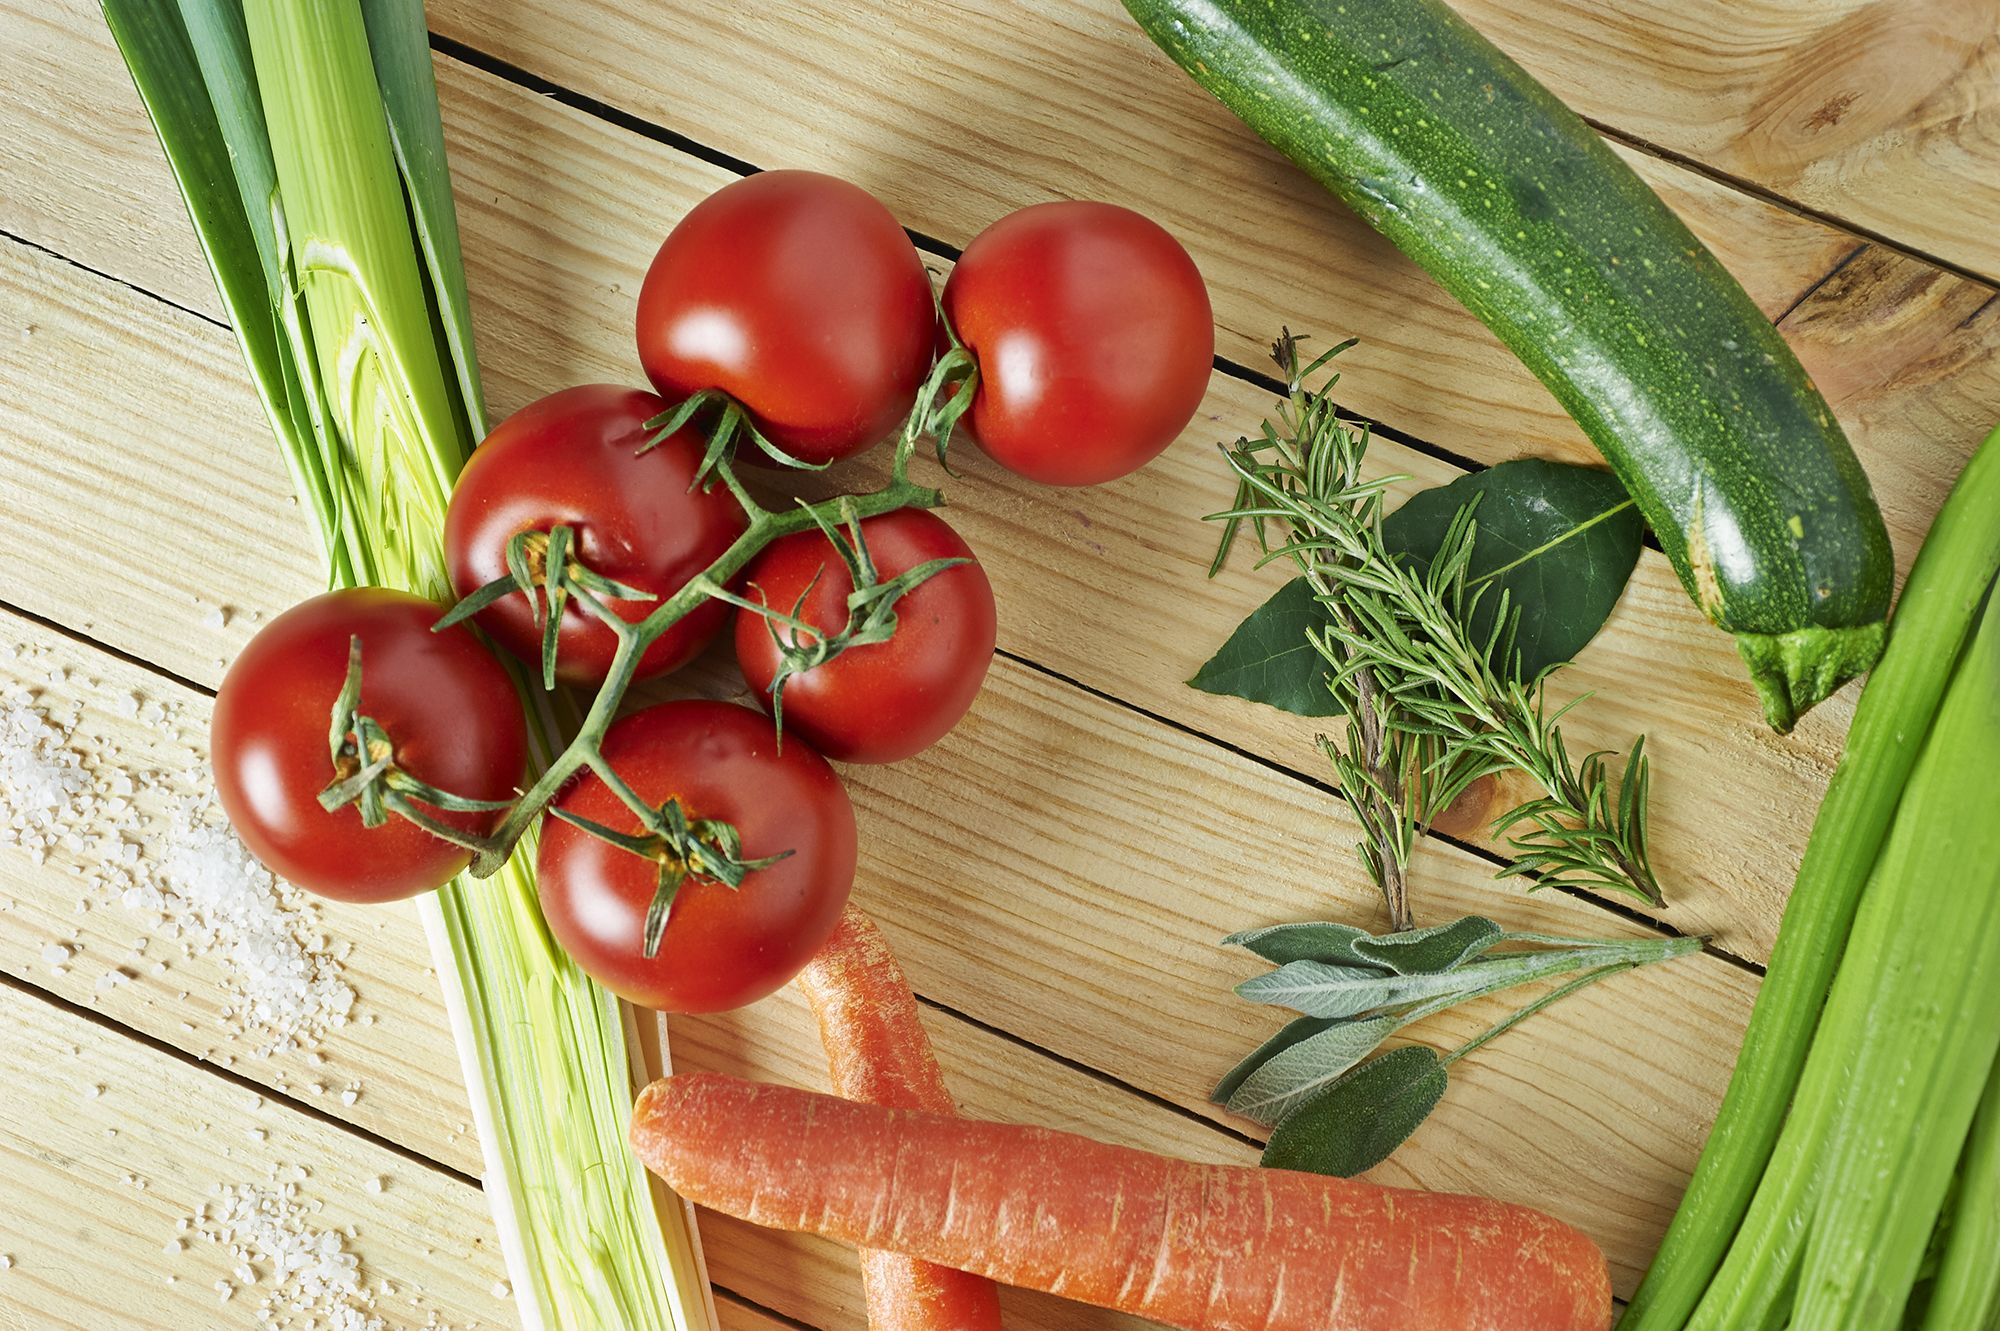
(1289,1078)
(1320,990)
(1269,658)
(1304,1028)
(1433,950)
(1280,943)
(1561,539)
(1358,1122)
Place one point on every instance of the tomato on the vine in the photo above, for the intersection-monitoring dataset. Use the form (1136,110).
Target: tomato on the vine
(723,947)
(799,296)
(874,702)
(1094,338)
(447,706)
(573,458)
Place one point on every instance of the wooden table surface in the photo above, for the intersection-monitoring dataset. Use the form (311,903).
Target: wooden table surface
(1054,875)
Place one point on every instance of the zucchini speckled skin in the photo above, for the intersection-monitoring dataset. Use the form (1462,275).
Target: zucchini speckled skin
(1518,208)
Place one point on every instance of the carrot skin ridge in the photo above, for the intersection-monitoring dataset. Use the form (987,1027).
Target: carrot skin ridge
(878,1052)
(1202,1247)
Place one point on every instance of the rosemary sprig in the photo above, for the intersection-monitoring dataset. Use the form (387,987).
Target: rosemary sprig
(1431,706)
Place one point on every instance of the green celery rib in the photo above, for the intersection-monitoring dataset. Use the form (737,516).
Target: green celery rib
(1930,1034)
(1953,570)
(1966,1296)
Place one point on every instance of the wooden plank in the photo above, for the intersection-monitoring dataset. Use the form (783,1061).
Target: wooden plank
(1053,555)
(1886,116)
(1067,98)
(108,1143)
(396,1051)
(1107,907)
(548,196)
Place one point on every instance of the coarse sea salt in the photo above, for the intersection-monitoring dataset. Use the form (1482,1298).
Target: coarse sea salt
(121,819)
(303,1273)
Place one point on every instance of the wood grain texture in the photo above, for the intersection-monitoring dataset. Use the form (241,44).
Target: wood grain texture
(106,1143)
(1110,907)
(548,196)
(1147,842)
(1883,113)
(1067,98)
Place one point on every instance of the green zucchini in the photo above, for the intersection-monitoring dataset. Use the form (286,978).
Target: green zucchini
(1519,209)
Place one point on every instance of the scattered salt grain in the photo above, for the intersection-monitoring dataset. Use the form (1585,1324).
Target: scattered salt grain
(305,1273)
(109,817)
(6,1261)
(55,954)
(502,1290)
(375,1184)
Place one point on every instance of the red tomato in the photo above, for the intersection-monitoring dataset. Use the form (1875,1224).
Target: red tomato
(799,296)
(573,457)
(1094,339)
(447,706)
(723,947)
(881,702)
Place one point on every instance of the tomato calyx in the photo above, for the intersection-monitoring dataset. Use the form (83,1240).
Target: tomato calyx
(871,609)
(543,566)
(947,392)
(682,849)
(365,771)
(731,421)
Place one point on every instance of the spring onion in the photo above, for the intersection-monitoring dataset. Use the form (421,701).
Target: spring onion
(323,203)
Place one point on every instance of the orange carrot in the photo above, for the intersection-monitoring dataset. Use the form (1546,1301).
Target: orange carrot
(877,1052)
(1205,1247)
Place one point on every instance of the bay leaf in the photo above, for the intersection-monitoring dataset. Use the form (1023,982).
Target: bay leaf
(1561,539)
(1269,658)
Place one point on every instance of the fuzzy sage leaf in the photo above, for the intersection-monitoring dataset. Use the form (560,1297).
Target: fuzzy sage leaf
(1431,951)
(1358,1121)
(1321,941)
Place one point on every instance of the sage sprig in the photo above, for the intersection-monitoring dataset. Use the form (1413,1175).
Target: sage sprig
(1334,1109)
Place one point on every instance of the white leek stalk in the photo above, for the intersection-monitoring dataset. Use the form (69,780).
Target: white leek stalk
(305,138)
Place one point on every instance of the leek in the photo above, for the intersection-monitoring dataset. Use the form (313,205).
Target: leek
(323,203)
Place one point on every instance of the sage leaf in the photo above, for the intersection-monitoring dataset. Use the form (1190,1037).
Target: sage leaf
(1356,1122)
(1288,1079)
(1270,658)
(1317,941)
(1433,950)
(1317,989)
(1561,539)
(1291,1033)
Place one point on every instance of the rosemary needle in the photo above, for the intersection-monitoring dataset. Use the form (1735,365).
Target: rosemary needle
(1431,706)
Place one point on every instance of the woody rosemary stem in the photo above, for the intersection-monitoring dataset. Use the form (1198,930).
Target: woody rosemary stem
(766,526)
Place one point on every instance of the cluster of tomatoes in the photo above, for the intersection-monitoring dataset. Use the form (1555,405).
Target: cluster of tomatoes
(794,310)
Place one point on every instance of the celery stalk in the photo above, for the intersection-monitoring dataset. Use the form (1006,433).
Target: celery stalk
(1929,1037)
(1933,618)
(321,200)
(1966,1295)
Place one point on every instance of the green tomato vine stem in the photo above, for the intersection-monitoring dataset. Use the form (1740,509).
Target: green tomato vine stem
(943,398)
(766,526)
